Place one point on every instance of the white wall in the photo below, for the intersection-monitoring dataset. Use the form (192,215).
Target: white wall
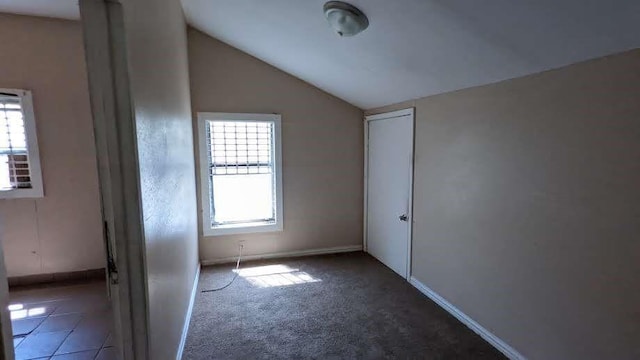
(155,32)
(527,207)
(61,232)
(322,149)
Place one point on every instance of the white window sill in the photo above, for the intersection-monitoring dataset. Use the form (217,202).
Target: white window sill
(21,194)
(245,228)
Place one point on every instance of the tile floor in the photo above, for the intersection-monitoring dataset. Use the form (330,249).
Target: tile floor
(70,322)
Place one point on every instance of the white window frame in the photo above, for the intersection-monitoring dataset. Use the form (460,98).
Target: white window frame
(37,190)
(207,228)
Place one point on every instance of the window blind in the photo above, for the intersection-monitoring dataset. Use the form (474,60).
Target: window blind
(240,147)
(15,171)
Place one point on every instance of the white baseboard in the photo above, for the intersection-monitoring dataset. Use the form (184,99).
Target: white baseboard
(323,251)
(503,347)
(187,320)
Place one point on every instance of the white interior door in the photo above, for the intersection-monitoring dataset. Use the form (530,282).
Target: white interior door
(389,183)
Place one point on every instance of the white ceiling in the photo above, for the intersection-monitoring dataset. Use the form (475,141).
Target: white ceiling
(413,48)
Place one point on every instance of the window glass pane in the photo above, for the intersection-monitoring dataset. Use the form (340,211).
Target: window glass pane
(242,198)
(236,145)
(5,182)
(14,162)
(12,134)
(241,171)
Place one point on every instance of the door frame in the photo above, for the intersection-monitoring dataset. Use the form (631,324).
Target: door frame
(385,116)
(115,138)
(114,132)
(6,332)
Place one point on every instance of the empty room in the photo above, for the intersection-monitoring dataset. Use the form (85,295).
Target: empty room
(52,229)
(191,179)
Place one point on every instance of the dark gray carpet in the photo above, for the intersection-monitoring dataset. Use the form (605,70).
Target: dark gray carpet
(349,307)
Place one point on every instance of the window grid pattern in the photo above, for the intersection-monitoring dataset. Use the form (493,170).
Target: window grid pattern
(240,147)
(14,158)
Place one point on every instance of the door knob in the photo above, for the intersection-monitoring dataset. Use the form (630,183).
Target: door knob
(403,217)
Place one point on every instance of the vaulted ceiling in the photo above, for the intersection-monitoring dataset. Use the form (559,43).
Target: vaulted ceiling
(412,48)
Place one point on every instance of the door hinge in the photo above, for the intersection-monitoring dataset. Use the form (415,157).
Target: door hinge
(112,268)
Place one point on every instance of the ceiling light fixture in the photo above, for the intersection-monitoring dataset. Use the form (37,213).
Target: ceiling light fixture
(345,19)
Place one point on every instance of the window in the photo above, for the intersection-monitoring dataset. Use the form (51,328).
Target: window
(240,171)
(20,175)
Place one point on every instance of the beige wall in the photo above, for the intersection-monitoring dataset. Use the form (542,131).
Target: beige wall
(322,149)
(155,32)
(527,207)
(62,231)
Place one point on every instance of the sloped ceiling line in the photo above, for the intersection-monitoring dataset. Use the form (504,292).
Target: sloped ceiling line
(413,48)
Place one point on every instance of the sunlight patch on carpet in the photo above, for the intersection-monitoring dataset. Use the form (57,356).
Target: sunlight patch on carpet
(275,275)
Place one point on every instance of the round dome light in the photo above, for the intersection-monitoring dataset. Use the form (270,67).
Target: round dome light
(345,19)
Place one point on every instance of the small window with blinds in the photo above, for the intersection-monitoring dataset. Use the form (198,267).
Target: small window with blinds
(20,175)
(241,185)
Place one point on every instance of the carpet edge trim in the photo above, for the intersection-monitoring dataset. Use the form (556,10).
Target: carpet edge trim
(187,320)
(321,251)
(489,337)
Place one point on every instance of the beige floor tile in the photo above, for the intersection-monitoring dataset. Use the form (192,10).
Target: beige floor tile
(83,355)
(77,325)
(37,295)
(59,323)
(89,334)
(52,292)
(40,345)
(26,326)
(22,310)
(17,340)
(83,305)
(109,342)
(109,353)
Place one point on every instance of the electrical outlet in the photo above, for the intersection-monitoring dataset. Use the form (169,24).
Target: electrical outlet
(241,244)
